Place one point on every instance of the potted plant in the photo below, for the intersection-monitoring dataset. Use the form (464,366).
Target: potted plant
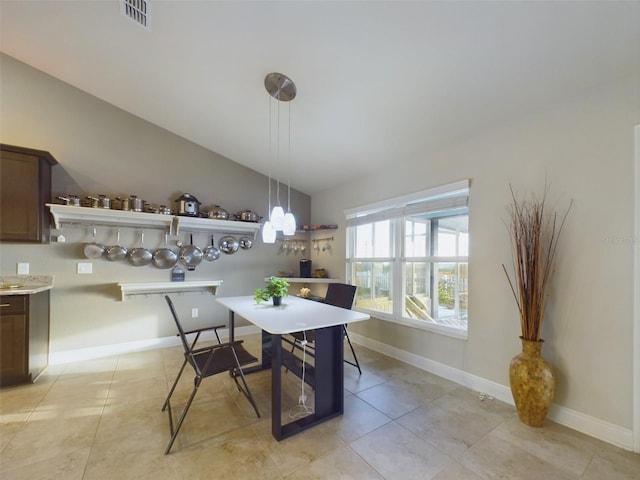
(275,289)
(534,239)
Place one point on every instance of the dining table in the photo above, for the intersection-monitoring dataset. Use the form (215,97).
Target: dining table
(326,375)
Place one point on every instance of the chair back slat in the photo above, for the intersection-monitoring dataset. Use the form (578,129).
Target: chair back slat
(340,295)
(176,319)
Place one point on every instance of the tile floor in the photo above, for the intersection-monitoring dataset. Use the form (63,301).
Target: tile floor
(101,419)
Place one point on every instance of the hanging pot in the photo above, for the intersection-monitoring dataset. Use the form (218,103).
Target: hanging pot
(140,256)
(229,244)
(212,252)
(93,249)
(188,205)
(164,257)
(246,243)
(191,255)
(116,252)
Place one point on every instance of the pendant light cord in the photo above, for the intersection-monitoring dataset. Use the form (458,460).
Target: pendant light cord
(270,153)
(278,157)
(289,165)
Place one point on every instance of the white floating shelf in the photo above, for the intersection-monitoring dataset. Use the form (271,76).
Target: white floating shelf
(69,214)
(130,289)
(308,280)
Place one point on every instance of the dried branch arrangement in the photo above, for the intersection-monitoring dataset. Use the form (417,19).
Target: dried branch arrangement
(534,239)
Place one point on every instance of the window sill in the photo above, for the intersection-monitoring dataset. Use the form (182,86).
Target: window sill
(417,324)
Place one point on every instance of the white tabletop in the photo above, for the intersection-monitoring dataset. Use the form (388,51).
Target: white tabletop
(295,314)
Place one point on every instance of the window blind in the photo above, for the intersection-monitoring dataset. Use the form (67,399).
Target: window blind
(448,197)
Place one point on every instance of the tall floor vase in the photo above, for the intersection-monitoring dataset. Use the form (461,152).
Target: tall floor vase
(532,383)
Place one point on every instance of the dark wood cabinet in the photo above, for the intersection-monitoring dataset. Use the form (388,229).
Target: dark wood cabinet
(25,187)
(24,337)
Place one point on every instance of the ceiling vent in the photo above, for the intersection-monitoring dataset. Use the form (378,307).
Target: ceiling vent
(139,11)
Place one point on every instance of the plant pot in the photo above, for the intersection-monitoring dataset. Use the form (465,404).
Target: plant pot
(532,383)
(277,301)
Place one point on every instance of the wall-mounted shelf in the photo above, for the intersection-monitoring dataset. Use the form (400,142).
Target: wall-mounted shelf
(87,216)
(130,289)
(309,280)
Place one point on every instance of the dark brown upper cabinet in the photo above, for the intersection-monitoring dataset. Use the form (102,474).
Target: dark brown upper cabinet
(25,187)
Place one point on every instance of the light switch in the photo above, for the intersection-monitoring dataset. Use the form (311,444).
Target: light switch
(84,267)
(23,269)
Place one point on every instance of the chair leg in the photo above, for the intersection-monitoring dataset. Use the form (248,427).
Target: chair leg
(357,364)
(173,387)
(174,433)
(245,391)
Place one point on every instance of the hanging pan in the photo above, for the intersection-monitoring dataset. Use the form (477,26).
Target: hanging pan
(164,257)
(191,255)
(229,244)
(117,252)
(93,249)
(212,252)
(140,256)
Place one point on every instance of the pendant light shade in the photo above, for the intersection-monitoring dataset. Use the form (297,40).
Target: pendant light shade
(277,218)
(268,233)
(289,227)
(282,89)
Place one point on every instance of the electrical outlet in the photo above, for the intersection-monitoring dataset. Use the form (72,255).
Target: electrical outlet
(84,267)
(194,313)
(23,269)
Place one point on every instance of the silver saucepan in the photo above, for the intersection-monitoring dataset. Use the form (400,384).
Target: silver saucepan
(93,249)
(212,252)
(72,200)
(164,257)
(140,256)
(116,252)
(229,244)
(191,255)
(248,216)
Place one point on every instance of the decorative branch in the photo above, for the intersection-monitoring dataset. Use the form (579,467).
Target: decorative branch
(534,241)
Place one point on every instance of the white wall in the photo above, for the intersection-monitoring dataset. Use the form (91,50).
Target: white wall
(102,149)
(584,149)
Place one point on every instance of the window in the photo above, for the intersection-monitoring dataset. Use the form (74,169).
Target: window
(409,258)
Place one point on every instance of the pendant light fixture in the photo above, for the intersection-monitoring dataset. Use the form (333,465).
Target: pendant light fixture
(268,232)
(277,214)
(282,89)
(289,224)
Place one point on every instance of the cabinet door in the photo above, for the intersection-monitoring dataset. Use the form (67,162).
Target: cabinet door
(13,349)
(25,186)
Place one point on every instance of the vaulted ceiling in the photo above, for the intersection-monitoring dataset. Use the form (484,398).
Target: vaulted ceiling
(378,82)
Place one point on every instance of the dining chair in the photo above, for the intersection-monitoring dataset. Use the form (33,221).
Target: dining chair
(339,295)
(206,362)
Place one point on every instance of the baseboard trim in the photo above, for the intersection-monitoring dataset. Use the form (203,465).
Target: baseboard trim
(594,427)
(92,353)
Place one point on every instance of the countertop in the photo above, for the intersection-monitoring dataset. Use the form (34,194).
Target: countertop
(25,284)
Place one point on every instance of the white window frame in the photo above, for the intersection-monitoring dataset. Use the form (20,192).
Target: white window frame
(452,197)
